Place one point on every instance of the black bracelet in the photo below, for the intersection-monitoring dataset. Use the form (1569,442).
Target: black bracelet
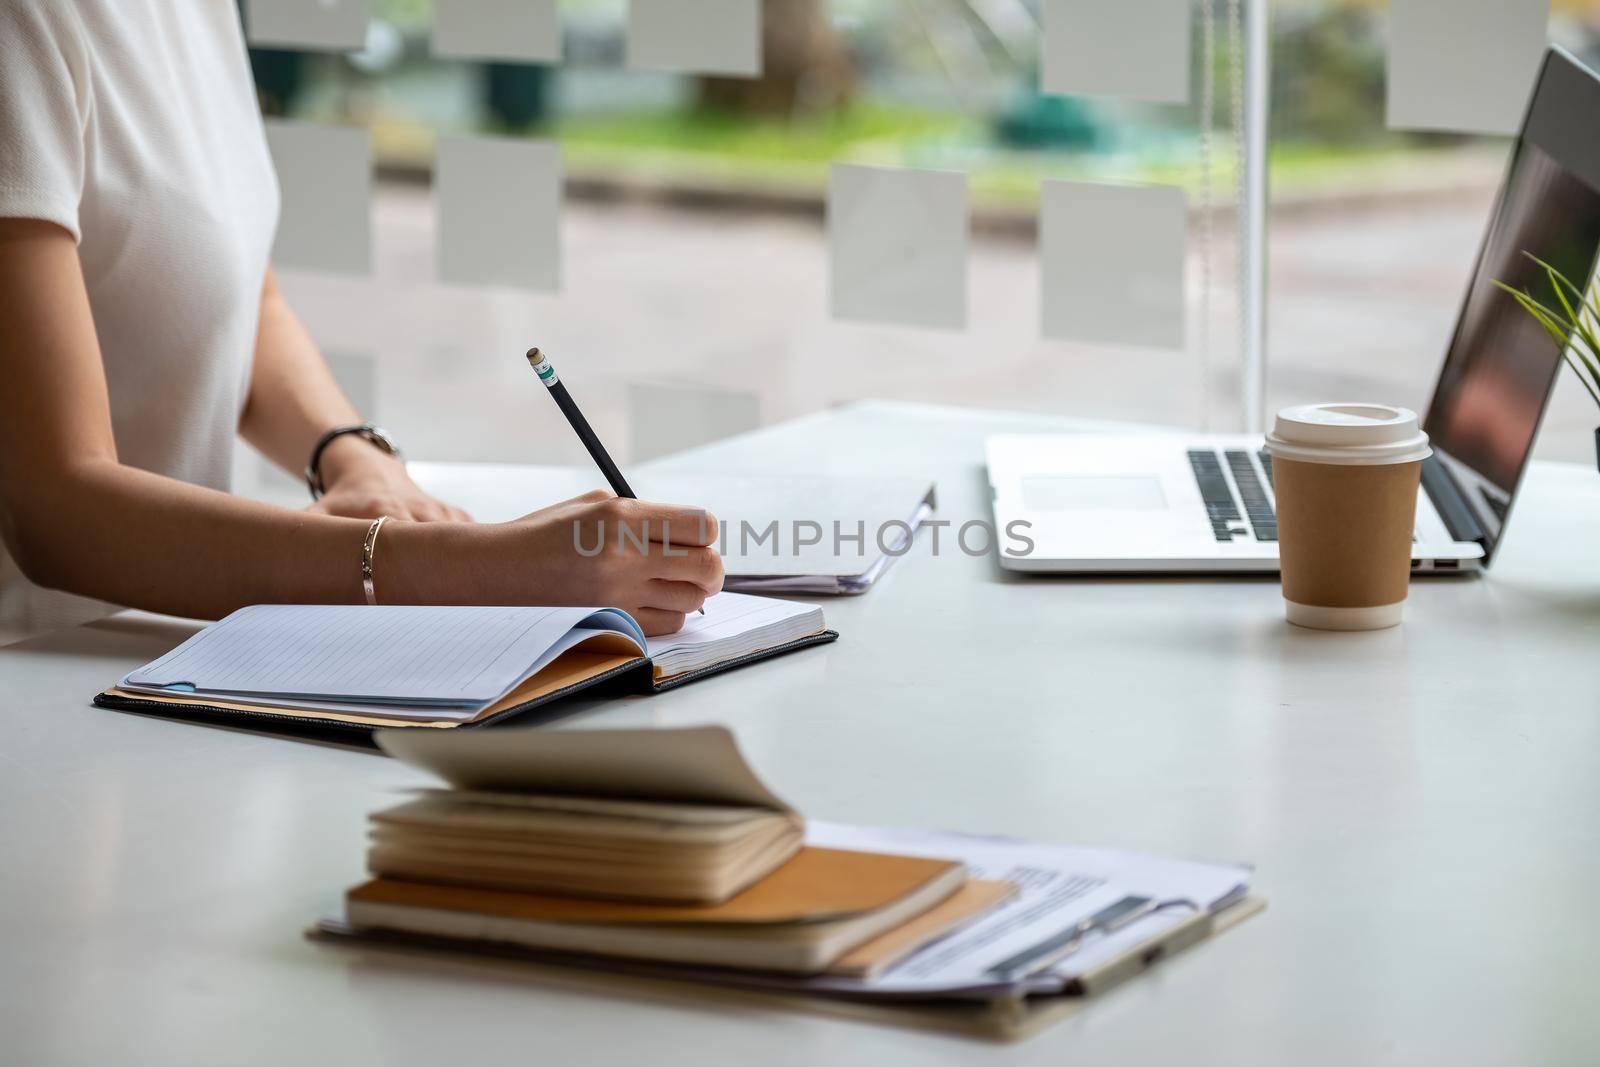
(366,431)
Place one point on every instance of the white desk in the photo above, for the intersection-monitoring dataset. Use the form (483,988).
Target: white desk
(1423,805)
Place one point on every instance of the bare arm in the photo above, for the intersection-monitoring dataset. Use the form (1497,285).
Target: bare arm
(76,519)
(294,400)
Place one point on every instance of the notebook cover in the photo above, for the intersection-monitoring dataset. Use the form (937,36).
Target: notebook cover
(1011,1019)
(823,638)
(626,675)
(959,909)
(817,885)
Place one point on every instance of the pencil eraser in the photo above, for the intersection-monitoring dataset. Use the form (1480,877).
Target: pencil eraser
(325,191)
(898,242)
(721,37)
(1112,263)
(516,31)
(1134,49)
(499,205)
(327,25)
(1465,66)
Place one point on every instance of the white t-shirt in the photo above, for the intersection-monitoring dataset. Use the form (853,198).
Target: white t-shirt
(133,124)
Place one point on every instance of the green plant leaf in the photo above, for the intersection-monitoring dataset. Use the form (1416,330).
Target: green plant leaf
(1560,330)
(1529,302)
(1575,335)
(1558,282)
(1580,360)
(1584,342)
(1556,277)
(1578,369)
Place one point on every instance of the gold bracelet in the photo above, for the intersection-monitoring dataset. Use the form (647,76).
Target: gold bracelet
(370,543)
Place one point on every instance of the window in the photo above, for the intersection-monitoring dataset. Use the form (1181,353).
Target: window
(694,255)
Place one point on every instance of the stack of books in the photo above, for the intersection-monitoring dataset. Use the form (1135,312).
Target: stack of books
(654,846)
(658,855)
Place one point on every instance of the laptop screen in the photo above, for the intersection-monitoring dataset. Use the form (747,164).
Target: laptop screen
(1502,364)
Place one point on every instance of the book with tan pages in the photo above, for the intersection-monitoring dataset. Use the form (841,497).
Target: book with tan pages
(672,816)
(346,670)
(807,913)
(655,845)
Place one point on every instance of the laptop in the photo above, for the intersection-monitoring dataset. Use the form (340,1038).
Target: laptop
(1152,503)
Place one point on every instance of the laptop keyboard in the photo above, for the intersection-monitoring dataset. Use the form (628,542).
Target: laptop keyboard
(1257,508)
(1214,490)
(1227,510)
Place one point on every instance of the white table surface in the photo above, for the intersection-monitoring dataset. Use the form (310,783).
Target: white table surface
(1423,805)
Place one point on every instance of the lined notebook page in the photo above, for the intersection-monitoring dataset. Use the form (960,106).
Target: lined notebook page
(734,625)
(410,654)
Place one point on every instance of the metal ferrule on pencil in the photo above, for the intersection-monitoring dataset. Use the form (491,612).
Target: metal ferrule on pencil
(543,367)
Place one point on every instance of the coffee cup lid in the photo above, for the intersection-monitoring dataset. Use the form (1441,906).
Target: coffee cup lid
(1348,434)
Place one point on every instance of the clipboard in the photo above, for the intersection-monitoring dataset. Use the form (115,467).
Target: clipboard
(1006,1019)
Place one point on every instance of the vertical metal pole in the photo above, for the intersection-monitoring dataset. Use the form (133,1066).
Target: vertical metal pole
(1253,215)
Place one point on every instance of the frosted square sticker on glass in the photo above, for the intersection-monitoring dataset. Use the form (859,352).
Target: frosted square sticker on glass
(670,418)
(333,25)
(325,183)
(696,36)
(898,240)
(499,207)
(1463,65)
(525,31)
(1137,49)
(1112,261)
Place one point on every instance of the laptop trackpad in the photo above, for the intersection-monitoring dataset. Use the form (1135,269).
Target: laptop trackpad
(1072,492)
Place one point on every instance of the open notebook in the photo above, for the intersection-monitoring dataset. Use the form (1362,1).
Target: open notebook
(410,665)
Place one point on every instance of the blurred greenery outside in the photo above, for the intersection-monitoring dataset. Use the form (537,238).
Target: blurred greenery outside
(923,83)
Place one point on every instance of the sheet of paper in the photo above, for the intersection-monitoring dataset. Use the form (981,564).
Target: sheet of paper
(898,245)
(1136,49)
(727,616)
(1112,263)
(517,31)
(1059,885)
(397,653)
(333,25)
(720,37)
(670,418)
(499,211)
(1466,66)
(324,183)
(408,710)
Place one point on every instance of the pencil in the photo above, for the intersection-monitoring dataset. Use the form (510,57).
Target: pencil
(552,382)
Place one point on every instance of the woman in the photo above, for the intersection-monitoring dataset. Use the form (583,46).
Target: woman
(141,328)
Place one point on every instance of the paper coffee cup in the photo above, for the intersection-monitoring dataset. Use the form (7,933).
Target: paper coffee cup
(1346,477)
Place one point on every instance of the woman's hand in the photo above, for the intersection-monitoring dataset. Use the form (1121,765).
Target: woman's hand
(655,561)
(362,482)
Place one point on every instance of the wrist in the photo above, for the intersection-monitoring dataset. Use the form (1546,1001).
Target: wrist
(433,563)
(353,457)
